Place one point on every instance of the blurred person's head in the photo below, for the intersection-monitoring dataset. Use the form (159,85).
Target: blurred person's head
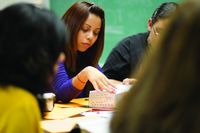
(31,42)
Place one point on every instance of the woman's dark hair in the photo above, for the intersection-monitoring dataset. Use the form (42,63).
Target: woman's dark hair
(31,39)
(74,18)
(163,11)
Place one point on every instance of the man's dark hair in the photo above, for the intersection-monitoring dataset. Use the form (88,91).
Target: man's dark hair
(164,11)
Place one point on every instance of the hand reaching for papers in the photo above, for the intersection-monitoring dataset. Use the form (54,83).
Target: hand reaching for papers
(99,80)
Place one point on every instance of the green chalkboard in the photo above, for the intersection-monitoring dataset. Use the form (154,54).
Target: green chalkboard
(123,17)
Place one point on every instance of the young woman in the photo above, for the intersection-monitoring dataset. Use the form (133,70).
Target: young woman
(86,24)
(166,98)
(31,41)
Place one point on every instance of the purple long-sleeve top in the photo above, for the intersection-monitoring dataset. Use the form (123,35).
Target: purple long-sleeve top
(62,84)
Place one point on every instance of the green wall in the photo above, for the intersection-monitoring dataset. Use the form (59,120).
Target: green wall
(123,17)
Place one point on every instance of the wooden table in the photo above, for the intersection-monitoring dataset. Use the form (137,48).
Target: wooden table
(65,116)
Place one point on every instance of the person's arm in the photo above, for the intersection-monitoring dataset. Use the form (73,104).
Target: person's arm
(62,83)
(117,65)
(68,88)
(96,77)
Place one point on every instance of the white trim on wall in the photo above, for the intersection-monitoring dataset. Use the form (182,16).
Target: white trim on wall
(40,3)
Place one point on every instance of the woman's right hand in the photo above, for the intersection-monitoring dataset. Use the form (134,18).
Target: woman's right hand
(98,79)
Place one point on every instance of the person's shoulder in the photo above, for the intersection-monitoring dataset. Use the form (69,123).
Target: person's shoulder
(22,96)
(139,36)
(27,102)
(21,105)
(15,92)
(133,40)
(135,37)
(18,99)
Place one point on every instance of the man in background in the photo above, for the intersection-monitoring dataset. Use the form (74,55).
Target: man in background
(124,58)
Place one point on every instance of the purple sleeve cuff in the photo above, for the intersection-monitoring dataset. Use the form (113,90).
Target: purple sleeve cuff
(100,69)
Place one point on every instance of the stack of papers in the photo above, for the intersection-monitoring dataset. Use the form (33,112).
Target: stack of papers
(106,100)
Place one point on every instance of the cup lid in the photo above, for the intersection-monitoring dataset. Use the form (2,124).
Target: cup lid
(48,95)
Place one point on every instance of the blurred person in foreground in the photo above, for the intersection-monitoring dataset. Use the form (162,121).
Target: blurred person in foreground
(166,98)
(31,42)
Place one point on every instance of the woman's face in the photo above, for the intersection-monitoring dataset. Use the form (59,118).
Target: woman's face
(89,32)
